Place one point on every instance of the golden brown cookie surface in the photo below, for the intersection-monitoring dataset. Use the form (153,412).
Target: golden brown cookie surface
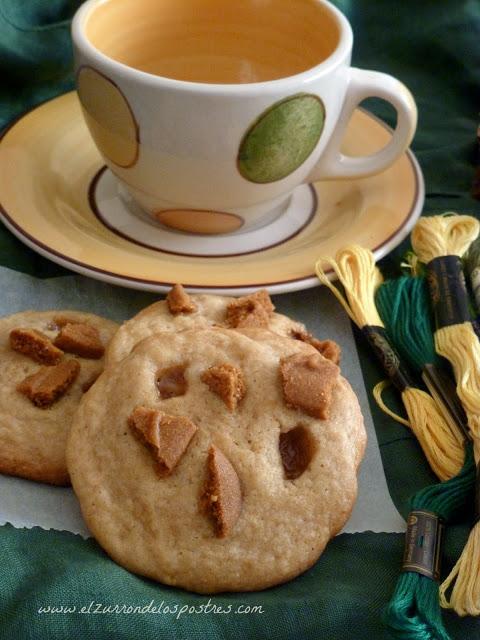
(200,311)
(37,401)
(236,484)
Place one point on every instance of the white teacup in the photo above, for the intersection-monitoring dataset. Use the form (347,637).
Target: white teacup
(211,112)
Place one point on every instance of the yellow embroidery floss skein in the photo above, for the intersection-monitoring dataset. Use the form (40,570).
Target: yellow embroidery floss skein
(439,242)
(356,270)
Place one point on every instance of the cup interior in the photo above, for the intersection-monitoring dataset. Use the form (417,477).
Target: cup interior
(215,41)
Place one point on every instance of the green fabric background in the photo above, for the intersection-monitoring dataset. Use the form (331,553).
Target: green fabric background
(434,47)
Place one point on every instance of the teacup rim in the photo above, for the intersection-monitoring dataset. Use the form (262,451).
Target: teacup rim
(341,52)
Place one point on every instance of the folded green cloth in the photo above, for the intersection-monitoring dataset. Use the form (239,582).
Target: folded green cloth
(433,47)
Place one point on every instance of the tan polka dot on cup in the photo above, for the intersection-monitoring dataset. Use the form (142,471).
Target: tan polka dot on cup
(201,222)
(109,117)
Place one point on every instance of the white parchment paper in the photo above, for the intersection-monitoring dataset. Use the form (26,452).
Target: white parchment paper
(27,504)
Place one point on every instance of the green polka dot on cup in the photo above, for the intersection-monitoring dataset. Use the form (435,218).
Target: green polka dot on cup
(281,139)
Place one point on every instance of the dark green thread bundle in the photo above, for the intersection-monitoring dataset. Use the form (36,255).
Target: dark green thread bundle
(414,610)
(404,307)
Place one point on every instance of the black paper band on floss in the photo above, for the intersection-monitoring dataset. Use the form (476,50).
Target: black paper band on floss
(423,544)
(448,291)
(388,357)
(476,504)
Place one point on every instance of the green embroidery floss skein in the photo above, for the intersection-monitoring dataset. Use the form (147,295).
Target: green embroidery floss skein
(414,611)
(404,306)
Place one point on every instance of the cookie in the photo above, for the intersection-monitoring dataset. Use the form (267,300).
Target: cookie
(48,359)
(231,481)
(182,311)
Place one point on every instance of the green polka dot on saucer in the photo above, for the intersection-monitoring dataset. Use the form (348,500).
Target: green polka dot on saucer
(281,139)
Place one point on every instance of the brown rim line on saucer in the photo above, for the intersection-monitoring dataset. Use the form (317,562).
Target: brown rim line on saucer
(53,199)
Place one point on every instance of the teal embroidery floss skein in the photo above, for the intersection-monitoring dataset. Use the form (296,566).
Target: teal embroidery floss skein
(414,611)
(404,306)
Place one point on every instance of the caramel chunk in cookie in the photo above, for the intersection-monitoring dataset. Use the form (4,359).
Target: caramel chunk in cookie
(328,348)
(221,498)
(171,382)
(227,382)
(167,437)
(35,345)
(49,384)
(254,310)
(179,301)
(308,382)
(297,448)
(82,339)
(60,321)
(262,297)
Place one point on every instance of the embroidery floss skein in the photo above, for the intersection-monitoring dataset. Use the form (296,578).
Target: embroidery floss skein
(414,609)
(413,612)
(440,242)
(472,269)
(404,307)
(356,270)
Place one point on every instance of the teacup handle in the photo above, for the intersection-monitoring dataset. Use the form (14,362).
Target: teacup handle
(368,84)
